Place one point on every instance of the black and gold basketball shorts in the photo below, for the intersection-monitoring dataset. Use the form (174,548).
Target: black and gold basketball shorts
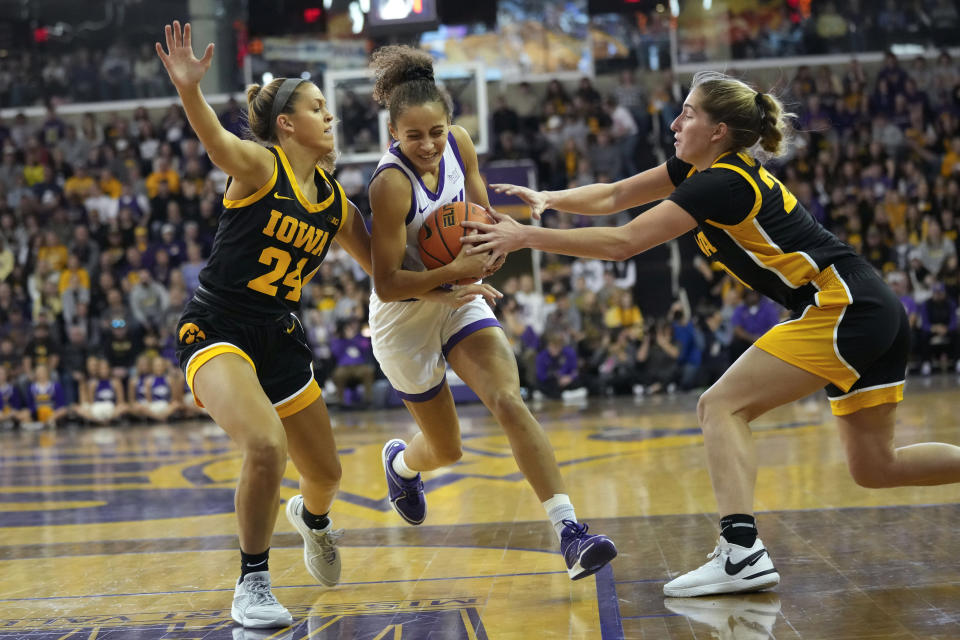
(277,350)
(854,333)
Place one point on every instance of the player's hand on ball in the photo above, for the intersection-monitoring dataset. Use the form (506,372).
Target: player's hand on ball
(470,265)
(497,239)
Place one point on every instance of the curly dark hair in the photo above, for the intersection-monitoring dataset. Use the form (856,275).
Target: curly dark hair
(404,78)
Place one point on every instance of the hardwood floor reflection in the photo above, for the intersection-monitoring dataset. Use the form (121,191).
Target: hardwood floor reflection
(129,533)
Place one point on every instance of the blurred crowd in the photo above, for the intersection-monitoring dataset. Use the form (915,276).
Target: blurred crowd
(116,72)
(106,222)
(794,28)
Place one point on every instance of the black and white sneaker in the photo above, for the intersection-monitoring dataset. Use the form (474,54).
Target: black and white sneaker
(731,569)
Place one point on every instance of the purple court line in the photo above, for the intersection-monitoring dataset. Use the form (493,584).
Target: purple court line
(292,586)
(293,546)
(611,625)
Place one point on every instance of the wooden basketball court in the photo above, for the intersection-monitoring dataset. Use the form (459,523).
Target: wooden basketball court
(128,533)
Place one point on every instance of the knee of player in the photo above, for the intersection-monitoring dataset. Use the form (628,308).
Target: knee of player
(869,478)
(327,475)
(266,452)
(714,404)
(448,454)
(504,401)
(869,473)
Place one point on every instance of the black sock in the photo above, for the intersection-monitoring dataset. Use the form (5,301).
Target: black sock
(314,521)
(253,562)
(739,528)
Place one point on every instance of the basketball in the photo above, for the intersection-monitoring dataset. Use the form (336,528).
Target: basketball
(439,236)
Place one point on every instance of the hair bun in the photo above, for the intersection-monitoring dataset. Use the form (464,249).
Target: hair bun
(418,73)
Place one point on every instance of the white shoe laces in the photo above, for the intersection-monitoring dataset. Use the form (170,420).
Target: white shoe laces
(327,541)
(260,593)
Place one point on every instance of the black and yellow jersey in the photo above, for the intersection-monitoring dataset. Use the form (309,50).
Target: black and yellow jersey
(751,223)
(269,243)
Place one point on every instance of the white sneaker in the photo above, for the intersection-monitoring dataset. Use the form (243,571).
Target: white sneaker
(731,569)
(320,553)
(926,369)
(255,606)
(574,395)
(743,617)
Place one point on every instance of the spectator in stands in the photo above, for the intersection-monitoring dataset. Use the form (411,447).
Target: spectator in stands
(354,362)
(73,358)
(606,157)
(615,362)
(752,318)
(85,248)
(105,397)
(11,360)
(167,392)
(876,251)
(12,408)
(147,77)
(934,249)
(148,300)
(41,349)
(716,347)
(656,360)
(938,330)
(532,304)
(624,312)
(624,132)
(172,244)
(558,368)
(689,343)
(45,399)
(120,349)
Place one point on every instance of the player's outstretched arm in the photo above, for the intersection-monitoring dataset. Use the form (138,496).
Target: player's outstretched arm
(245,160)
(660,224)
(596,199)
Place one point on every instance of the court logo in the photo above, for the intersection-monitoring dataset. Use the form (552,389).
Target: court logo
(190,333)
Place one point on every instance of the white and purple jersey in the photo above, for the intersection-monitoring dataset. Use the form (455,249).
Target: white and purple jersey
(450,188)
(411,338)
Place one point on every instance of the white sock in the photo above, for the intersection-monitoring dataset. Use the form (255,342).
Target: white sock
(559,509)
(401,467)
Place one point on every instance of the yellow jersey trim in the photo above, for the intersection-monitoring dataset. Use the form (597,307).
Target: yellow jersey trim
(253,197)
(309,206)
(204,356)
(866,398)
(300,401)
